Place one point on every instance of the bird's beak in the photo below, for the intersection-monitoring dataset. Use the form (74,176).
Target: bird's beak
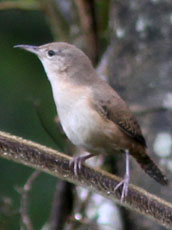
(30,48)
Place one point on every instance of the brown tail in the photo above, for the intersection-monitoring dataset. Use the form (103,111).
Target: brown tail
(150,167)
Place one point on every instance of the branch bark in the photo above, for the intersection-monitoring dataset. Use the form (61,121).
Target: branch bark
(57,164)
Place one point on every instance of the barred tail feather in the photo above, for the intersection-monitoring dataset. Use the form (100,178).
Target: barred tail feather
(150,167)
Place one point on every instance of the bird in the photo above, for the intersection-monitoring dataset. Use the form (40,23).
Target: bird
(92,114)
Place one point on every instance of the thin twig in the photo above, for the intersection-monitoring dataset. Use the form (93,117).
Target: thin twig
(58,24)
(58,164)
(22,5)
(86,9)
(24,201)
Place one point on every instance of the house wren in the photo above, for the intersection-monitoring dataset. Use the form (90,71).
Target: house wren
(92,114)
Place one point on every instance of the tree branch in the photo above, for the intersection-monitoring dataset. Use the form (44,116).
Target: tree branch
(20,5)
(58,25)
(87,14)
(26,222)
(57,164)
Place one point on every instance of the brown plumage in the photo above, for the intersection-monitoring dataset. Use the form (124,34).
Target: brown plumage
(92,114)
(111,106)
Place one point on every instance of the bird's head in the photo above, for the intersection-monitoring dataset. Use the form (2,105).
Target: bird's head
(60,57)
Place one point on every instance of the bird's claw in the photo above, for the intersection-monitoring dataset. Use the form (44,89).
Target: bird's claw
(77,164)
(125,184)
(78,161)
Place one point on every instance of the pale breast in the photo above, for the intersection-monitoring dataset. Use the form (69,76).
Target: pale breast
(78,119)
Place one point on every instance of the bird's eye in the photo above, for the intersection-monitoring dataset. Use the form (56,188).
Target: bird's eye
(51,53)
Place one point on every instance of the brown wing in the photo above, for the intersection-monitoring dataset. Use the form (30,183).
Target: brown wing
(114,108)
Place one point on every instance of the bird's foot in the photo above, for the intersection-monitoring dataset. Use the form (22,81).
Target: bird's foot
(124,183)
(78,161)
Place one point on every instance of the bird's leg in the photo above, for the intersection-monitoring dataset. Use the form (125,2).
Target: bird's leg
(125,182)
(78,161)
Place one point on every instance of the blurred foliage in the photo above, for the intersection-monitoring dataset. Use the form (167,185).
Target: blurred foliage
(23,83)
